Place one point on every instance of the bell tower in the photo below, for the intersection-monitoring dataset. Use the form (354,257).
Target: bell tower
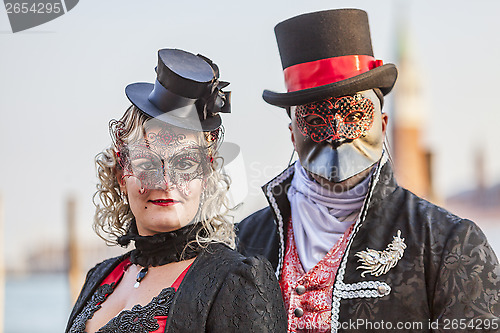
(412,158)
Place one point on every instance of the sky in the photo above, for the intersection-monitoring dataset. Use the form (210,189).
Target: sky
(61,83)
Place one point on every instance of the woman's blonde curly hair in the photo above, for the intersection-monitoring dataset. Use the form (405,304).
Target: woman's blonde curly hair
(113,215)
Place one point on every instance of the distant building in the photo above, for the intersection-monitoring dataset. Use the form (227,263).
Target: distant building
(480,204)
(412,159)
(53,258)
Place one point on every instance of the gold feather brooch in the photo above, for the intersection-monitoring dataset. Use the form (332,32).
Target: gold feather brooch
(380,262)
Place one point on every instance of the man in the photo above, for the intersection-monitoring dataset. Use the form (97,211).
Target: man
(353,250)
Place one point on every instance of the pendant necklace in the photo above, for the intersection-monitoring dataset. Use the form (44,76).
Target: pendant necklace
(140,276)
(162,248)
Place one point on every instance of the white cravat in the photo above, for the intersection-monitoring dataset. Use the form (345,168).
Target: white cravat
(320,217)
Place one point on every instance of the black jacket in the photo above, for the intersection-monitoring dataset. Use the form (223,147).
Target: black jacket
(222,292)
(448,274)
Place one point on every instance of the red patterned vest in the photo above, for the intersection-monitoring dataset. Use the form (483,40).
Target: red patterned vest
(308,296)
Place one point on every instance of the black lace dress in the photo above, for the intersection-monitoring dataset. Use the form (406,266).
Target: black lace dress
(149,318)
(222,291)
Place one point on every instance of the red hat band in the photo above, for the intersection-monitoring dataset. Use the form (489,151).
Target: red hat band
(326,71)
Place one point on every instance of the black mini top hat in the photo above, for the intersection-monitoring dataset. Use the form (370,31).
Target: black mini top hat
(328,54)
(187,92)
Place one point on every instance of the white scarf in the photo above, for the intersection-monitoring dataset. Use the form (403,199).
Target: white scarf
(320,217)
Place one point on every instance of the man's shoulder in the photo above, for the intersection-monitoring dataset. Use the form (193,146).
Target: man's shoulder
(442,223)
(258,235)
(261,221)
(425,209)
(263,215)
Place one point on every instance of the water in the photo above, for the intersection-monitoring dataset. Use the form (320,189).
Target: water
(37,303)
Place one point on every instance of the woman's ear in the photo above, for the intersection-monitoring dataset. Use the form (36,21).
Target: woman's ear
(121,180)
(118,171)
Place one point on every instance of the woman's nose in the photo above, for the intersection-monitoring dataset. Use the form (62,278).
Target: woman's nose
(167,184)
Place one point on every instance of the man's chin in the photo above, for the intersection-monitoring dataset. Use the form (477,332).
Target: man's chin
(342,186)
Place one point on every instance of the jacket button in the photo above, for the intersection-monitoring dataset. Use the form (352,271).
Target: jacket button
(300,289)
(382,290)
(298,312)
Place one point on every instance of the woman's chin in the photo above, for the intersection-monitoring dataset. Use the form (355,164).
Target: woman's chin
(156,227)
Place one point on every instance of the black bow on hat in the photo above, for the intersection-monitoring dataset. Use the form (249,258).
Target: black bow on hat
(187,92)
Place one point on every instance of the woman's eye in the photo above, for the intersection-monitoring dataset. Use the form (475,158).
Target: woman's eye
(354,117)
(147,166)
(143,164)
(314,120)
(186,163)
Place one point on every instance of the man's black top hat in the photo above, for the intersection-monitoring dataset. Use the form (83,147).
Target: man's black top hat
(328,54)
(187,92)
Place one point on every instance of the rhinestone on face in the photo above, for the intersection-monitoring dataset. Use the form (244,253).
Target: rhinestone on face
(300,289)
(298,312)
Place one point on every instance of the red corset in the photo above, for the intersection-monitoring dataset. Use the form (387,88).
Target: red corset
(308,296)
(116,275)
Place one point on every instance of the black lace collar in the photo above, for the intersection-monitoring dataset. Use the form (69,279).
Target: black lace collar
(162,248)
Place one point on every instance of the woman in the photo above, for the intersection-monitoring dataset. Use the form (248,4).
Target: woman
(160,188)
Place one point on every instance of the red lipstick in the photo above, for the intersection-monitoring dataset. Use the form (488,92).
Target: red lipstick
(164,202)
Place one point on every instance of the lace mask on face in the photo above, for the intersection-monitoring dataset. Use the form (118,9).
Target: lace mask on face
(164,159)
(347,117)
